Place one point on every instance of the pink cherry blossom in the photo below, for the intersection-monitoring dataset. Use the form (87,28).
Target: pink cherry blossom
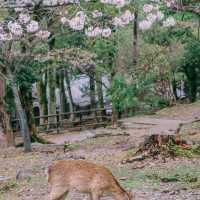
(5,37)
(151,17)
(170,21)
(106,32)
(24,18)
(15,28)
(1,29)
(80,19)
(32,27)
(50,2)
(89,31)
(145,25)
(117,21)
(43,35)
(78,22)
(18,9)
(96,14)
(124,19)
(117,3)
(93,32)
(64,20)
(159,15)
(169,3)
(147,8)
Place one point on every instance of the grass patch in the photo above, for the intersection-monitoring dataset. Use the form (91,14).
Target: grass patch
(7,186)
(190,152)
(186,176)
(71,146)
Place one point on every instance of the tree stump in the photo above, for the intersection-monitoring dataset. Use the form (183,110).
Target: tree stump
(156,144)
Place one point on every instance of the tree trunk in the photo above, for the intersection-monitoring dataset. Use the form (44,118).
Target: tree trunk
(39,90)
(10,141)
(100,93)
(69,94)
(31,119)
(24,130)
(51,96)
(198,34)
(63,96)
(92,92)
(135,40)
(174,86)
(9,133)
(191,75)
(99,90)
(114,117)
(42,95)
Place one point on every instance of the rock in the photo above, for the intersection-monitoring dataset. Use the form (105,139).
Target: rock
(123,178)
(3,178)
(77,157)
(24,174)
(133,159)
(72,157)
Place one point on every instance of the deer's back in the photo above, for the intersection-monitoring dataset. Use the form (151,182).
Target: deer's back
(81,175)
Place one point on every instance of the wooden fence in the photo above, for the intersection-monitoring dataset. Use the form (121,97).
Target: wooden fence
(76,120)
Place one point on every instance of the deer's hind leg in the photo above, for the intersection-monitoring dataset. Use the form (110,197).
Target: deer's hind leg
(58,193)
(95,195)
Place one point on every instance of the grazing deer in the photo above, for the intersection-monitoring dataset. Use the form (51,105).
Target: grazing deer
(65,175)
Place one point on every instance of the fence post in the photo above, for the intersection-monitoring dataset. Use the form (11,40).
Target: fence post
(58,119)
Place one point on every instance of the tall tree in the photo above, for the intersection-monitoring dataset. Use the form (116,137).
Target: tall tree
(135,39)
(51,77)
(92,91)
(69,94)
(23,122)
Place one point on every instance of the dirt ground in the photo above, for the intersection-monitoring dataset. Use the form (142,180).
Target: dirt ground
(22,175)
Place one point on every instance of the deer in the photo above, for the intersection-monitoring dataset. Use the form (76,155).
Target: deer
(84,177)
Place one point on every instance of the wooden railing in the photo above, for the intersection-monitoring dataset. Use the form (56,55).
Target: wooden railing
(76,120)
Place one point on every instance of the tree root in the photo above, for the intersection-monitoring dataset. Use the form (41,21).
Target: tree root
(35,138)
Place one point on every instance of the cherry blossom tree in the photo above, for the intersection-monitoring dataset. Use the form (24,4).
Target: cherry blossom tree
(91,20)
(18,36)
(24,31)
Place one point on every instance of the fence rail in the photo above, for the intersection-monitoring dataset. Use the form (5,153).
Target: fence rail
(76,120)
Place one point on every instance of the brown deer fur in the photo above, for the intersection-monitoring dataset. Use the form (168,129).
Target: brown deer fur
(85,177)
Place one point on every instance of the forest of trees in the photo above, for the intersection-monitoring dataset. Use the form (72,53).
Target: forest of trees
(149,52)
